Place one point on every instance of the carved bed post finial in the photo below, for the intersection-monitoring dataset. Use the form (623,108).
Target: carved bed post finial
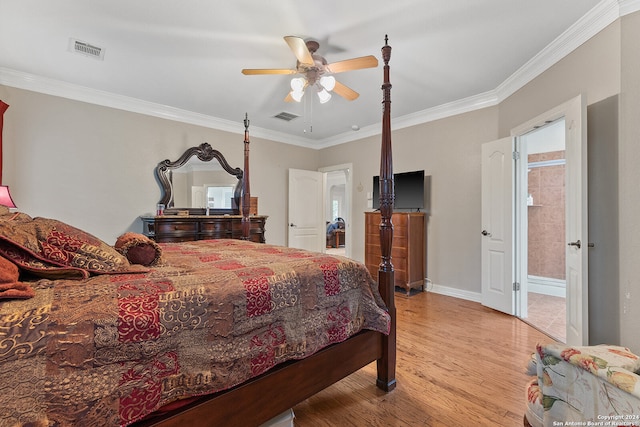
(386,277)
(246,192)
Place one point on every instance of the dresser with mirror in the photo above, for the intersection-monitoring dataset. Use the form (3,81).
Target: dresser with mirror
(200,200)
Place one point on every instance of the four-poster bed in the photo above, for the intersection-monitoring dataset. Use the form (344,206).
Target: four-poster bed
(301,379)
(125,339)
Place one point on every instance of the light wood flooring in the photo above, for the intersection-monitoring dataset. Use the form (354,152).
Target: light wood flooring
(458,364)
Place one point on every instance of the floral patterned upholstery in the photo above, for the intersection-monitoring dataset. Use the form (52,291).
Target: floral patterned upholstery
(597,384)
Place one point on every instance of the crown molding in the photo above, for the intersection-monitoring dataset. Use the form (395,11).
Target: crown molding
(602,15)
(34,83)
(594,21)
(465,105)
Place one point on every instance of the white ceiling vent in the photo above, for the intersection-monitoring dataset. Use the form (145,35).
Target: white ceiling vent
(86,49)
(287,117)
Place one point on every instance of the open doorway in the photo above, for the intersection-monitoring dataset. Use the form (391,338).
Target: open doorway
(545,228)
(505,193)
(337,209)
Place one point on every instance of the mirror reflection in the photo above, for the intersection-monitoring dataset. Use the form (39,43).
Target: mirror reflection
(203,185)
(200,181)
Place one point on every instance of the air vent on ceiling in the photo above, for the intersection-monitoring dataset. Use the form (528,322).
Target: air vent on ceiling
(287,117)
(86,49)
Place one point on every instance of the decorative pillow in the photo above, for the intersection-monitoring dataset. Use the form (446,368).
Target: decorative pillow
(58,244)
(9,285)
(139,249)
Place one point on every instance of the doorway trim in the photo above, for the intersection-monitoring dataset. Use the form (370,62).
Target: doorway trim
(574,112)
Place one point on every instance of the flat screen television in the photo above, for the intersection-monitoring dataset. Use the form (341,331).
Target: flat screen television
(408,189)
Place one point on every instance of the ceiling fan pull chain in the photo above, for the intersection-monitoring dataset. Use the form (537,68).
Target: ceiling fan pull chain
(310,114)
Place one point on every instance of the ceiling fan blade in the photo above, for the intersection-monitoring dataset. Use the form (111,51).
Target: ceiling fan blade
(345,92)
(352,64)
(299,49)
(254,71)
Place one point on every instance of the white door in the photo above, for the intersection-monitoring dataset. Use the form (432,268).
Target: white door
(576,221)
(497,225)
(306,220)
(197,197)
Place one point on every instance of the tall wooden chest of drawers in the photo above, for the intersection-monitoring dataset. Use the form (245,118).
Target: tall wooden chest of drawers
(408,252)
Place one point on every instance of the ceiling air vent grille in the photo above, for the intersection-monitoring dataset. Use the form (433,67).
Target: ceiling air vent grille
(287,117)
(86,49)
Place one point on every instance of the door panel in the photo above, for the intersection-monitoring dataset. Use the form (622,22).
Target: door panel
(576,223)
(497,225)
(306,222)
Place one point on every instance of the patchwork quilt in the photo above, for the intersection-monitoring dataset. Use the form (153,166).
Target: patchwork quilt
(112,348)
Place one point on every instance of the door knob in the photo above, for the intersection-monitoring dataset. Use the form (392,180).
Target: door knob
(292,225)
(485,233)
(577,244)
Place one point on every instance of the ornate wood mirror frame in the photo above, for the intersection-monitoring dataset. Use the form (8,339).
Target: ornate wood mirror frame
(205,153)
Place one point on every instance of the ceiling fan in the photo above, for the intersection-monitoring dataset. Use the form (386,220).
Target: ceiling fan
(316,71)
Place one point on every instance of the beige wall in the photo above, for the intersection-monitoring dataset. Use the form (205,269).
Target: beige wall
(629,177)
(449,151)
(92,166)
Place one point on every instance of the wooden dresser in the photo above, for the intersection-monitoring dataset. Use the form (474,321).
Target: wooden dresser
(177,228)
(408,252)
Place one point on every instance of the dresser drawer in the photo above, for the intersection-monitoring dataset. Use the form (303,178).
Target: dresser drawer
(214,226)
(171,227)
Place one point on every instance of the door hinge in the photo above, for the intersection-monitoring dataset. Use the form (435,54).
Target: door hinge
(516,286)
(515,155)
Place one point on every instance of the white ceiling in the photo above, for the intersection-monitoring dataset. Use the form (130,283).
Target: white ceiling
(182,59)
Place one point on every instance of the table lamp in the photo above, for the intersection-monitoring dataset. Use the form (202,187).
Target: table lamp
(5,197)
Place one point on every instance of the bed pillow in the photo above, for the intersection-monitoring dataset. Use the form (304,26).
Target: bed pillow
(139,249)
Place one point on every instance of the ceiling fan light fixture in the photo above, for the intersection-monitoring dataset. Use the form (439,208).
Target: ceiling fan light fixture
(324,96)
(297,84)
(296,95)
(328,82)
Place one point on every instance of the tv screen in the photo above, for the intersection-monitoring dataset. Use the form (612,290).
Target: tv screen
(408,189)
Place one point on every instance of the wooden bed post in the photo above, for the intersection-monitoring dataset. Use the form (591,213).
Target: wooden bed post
(387,364)
(246,192)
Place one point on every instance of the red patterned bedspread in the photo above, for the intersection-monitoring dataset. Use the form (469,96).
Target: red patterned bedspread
(111,349)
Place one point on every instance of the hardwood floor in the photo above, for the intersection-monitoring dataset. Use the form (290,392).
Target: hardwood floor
(459,364)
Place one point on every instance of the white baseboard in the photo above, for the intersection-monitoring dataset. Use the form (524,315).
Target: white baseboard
(540,285)
(547,286)
(454,292)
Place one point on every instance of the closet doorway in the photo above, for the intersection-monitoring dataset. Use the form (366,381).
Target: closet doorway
(545,228)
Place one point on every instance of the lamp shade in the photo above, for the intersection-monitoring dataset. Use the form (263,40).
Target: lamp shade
(324,96)
(296,95)
(297,84)
(5,197)
(328,82)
